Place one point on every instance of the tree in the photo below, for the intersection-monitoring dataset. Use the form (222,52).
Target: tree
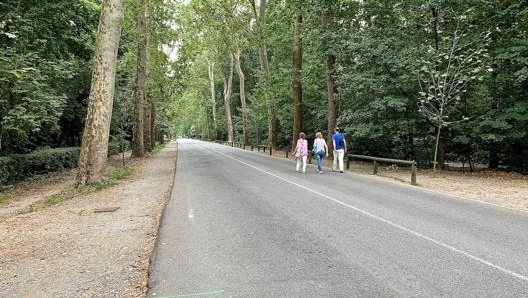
(45,48)
(228,87)
(141,119)
(149,113)
(260,18)
(93,155)
(444,79)
(296,74)
(330,76)
(242,86)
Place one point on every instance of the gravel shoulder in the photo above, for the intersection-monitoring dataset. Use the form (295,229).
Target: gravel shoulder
(68,250)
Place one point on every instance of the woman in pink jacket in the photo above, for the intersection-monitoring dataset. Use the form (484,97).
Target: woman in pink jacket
(301,152)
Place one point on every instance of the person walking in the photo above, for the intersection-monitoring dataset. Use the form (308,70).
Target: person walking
(340,148)
(301,152)
(320,149)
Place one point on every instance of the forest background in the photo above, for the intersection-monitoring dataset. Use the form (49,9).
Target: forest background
(418,80)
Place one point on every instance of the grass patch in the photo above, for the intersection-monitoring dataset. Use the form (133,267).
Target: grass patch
(117,174)
(59,198)
(3,198)
(8,195)
(158,147)
(27,210)
(120,173)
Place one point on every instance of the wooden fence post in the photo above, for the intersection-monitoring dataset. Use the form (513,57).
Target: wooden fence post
(413,173)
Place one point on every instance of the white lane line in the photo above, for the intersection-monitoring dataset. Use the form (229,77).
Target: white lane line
(449,247)
(190,213)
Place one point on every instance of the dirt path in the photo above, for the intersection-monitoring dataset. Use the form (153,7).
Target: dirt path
(67,250)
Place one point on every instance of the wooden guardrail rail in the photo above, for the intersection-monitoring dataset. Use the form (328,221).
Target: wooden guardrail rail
(263,148)
(375,161)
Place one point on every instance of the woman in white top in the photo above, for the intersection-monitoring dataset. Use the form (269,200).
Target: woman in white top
(320,149)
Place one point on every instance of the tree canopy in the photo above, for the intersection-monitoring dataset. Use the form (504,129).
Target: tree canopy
(423,80)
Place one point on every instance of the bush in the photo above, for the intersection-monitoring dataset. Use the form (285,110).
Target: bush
(8,170)
(19,167)
(116,146)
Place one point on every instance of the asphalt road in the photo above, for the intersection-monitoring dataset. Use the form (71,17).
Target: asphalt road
(244,224)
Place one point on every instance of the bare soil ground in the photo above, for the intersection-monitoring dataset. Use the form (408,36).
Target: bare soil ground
(68,250)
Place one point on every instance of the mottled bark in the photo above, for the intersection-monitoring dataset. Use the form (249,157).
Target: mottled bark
(332,117)
(210,68)
(147,124)
(330,79)
(138,137)
(296,76)
(260,18)
(94,147)
(242,88)
(228,87)
(150,140)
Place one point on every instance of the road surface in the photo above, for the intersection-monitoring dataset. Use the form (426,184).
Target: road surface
(244,224)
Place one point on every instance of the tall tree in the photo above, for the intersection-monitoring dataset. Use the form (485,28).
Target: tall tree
(228,90)
(210,73)
(445,80)
(260,18)
(242,88)
(330,75)
(140,110)
(296,73)
(148,137)
(94,148)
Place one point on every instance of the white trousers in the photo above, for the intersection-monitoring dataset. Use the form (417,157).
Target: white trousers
(338,157)
(301,160)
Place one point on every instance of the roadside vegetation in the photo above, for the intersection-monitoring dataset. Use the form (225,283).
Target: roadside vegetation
(438,82)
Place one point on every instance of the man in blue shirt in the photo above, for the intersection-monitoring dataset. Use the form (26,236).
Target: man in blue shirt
(340,149)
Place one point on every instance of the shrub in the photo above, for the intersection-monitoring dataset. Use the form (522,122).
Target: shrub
(8,170)
(117,145)
(19,167)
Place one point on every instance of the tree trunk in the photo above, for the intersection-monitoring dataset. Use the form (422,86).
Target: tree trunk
(149,102)
(149,133)
(332,117)
(138,134)
(493,152)
(242,86)
(94,148)
(213,97)
(437,146)
(260,18)
(152,123)
(147,124)
(296,76)
(439,149)
(228,85)
(330,79)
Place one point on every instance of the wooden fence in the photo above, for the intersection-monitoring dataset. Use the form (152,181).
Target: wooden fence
(376,160)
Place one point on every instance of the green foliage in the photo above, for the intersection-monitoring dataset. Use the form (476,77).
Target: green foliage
(45,48)
(19,167)
(117,174)
(8,170)
(118,145)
